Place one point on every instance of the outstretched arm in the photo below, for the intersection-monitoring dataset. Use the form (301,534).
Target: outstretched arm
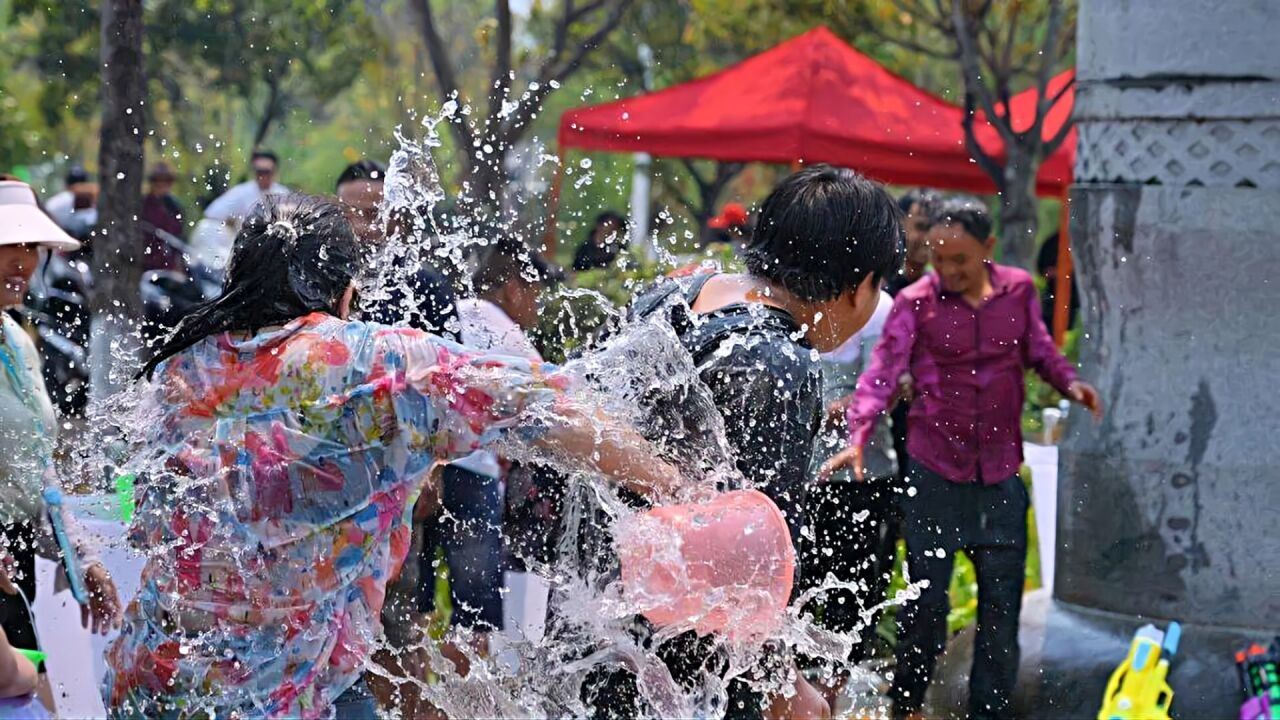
(474,399)
(17,674)
(890,360)
(1042,355)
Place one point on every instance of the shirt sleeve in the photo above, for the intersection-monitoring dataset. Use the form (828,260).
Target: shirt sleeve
(1039,351)
(458,401)
(890,359)
(220,208)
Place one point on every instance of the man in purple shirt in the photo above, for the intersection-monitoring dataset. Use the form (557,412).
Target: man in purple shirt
(966,333)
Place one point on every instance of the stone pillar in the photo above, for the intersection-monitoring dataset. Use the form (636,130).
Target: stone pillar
(1168,509)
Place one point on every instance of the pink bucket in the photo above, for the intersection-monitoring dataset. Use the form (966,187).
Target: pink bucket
(723,566)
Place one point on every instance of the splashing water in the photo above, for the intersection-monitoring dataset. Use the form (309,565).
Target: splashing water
(643,375)
(640,375)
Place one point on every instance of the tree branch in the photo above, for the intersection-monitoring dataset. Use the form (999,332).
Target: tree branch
(911,45)
(501,81)
(989,164)
(561,40)
(1010,38)
(975,85)
(549,73)
(586,10)
(270,111)
(446,78)
(1062,91)
(1050,52)
(692,169)
(593,41)
(672,187)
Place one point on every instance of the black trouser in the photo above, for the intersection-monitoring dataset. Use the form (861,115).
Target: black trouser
(990,524)
(853,548)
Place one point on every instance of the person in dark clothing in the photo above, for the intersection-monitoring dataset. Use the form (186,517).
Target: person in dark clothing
(917,211)
(428,302)
(1047,268)
(824,241)
(601,248)
(161,213)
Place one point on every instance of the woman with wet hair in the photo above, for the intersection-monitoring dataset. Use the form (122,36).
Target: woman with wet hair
(287,445)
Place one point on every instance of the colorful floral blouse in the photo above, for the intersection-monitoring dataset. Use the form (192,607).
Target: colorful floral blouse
(281,473)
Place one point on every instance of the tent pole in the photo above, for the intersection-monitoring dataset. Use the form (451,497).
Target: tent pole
(549,235)
(1062,280)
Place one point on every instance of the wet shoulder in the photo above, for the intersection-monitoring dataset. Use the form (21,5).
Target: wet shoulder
(755,337)
(1016,280)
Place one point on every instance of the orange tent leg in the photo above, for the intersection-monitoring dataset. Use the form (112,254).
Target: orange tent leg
(1062,286)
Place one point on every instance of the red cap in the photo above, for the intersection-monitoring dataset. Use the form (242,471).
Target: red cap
(731,215)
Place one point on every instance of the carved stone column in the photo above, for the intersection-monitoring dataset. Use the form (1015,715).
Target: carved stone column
(1168,509)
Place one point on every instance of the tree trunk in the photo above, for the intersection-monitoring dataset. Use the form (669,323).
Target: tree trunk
(117,247)
(269,113)
(1018,221)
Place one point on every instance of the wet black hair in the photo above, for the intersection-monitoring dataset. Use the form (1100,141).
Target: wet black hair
(294,255)
(927,199)
(822,231)
(966,211)
(364,169)
(609,216)
(265,154)
(77,174)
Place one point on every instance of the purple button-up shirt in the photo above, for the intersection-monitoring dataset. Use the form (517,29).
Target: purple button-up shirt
(967,366)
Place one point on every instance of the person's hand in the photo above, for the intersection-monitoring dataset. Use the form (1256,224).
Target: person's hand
(805,704)
(103,611)
(906,391)
(850,457)
(1086,395)
(835,417)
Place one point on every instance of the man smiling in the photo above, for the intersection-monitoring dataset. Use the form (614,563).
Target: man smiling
(966,333)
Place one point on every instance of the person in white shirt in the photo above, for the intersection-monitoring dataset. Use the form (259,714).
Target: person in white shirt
(212,238)
(60,205)
(507,285)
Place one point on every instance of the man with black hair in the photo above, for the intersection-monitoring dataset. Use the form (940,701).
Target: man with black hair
(60,205)
(430,303)
(604,243)
(918,207)
(824,240)
(235,204)
(966,333)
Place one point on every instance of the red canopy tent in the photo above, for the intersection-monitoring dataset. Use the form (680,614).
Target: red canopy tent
(1056,170)
(812,99)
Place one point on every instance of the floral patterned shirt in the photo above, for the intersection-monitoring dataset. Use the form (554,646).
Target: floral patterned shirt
(281,470)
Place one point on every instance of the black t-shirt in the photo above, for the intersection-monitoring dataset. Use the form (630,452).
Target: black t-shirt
(765,380)
(433,308)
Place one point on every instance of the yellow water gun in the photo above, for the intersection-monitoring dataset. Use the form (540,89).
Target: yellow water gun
(1138,689)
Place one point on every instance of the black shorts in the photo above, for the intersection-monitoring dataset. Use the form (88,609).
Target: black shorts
(16,619)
